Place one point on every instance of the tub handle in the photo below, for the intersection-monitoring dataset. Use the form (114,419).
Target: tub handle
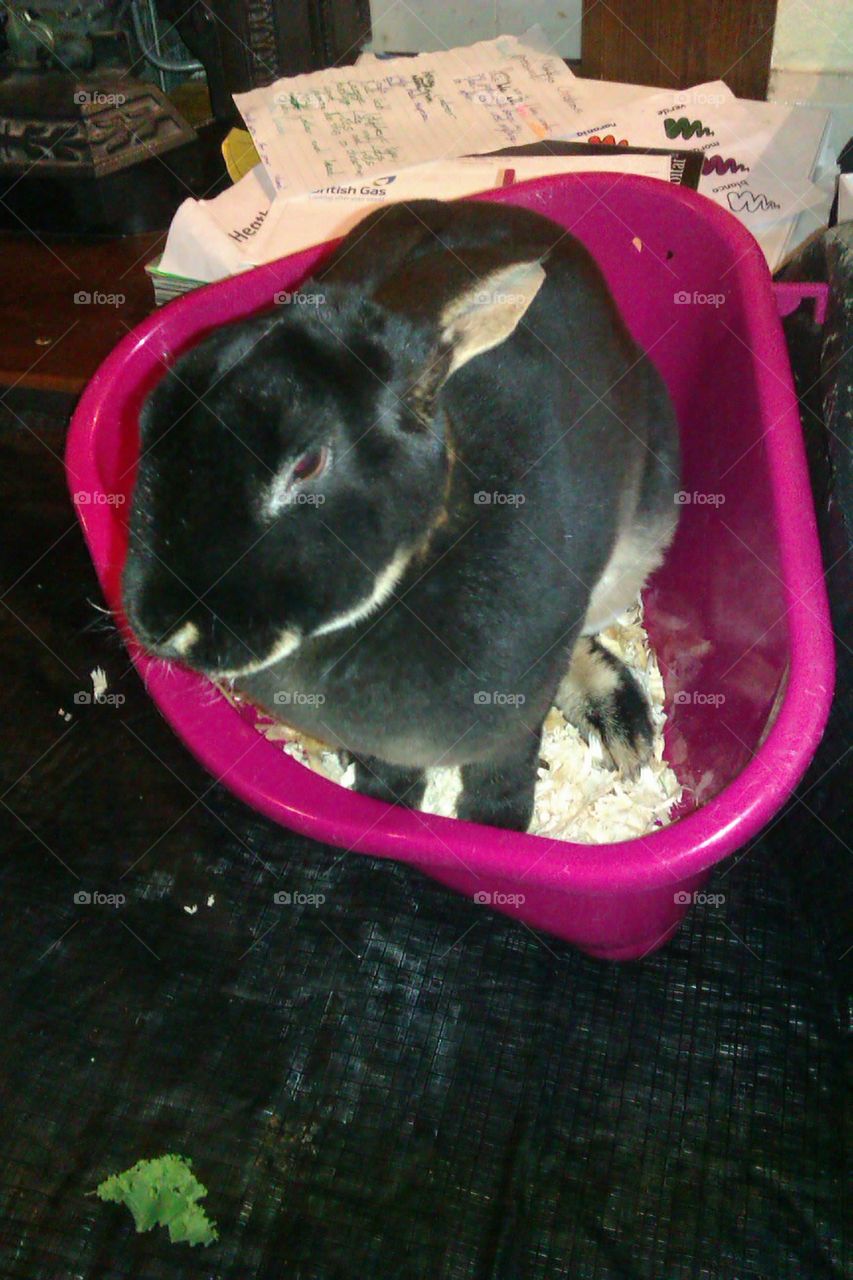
(789,295)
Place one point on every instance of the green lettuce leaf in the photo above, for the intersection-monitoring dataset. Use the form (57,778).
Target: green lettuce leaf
(163,1193)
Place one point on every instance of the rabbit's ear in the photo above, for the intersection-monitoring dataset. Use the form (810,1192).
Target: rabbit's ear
(479,318)
(489,311)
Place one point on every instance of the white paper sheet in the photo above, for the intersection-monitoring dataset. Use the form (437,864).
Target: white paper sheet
(357,122)
(605,109)
(762,159)
(209,239)
(215,238)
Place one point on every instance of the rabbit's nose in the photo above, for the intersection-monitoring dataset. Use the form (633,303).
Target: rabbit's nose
(165,642)
(171,643)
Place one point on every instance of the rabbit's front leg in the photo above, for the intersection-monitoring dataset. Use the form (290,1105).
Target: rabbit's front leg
(499,793)
(389,782)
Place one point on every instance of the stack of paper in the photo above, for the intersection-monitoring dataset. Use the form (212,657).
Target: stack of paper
(334,144)
(763,161)
(246,226)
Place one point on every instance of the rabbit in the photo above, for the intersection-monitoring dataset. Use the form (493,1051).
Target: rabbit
(395,510)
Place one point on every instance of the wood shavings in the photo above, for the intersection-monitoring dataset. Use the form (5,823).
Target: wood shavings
(579,797)
(309,751)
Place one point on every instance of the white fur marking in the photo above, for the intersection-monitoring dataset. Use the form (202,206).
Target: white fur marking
(383,586)
(184,638)
(278,493)
(637,553)
(289,640)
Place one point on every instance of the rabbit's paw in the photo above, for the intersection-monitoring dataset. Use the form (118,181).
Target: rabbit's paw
(599,693)
(500,793)
(389,782)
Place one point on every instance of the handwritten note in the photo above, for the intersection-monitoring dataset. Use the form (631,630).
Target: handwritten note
(356,122)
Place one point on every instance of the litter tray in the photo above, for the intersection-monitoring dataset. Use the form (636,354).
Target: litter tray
(737,614)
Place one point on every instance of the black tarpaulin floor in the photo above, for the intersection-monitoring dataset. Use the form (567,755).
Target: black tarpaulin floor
(394,1082)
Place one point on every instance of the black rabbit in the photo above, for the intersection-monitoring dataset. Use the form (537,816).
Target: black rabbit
(396,509)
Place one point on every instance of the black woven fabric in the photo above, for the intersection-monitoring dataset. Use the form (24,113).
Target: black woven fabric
(393,1082)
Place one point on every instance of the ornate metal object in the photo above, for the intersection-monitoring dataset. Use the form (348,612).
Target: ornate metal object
(57,124)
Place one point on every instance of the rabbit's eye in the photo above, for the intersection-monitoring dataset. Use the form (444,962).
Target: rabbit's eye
(311,464)
(284,489)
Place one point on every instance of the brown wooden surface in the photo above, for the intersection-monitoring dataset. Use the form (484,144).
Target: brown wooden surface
(676,43)
(47,339)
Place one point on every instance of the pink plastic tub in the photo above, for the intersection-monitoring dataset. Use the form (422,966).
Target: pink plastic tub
(738,612)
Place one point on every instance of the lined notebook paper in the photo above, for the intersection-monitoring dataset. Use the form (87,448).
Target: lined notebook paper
(345,122)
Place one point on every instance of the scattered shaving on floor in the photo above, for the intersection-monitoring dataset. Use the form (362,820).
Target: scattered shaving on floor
(578,797)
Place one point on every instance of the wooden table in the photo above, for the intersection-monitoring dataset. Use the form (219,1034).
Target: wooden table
(67,302)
